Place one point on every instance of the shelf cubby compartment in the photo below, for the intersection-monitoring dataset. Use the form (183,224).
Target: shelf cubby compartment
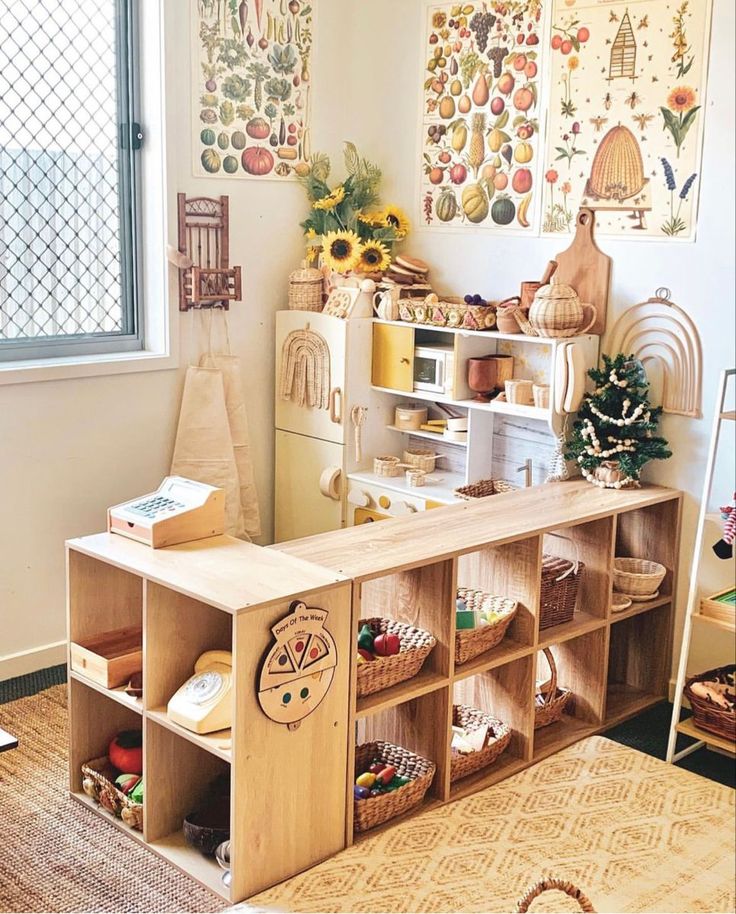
(177,776)
(505,692)
(511,570)
(640,534)
(638,674)
(581,665)
(592,544)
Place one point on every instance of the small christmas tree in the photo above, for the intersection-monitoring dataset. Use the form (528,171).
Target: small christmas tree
(614,434)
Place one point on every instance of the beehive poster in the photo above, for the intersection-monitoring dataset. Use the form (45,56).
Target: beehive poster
(481,122)
(626,116)
(250,88)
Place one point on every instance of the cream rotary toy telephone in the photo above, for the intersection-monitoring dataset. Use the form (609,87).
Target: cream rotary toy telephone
(204,703)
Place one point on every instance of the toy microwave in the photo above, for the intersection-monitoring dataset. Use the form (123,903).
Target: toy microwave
(179,511)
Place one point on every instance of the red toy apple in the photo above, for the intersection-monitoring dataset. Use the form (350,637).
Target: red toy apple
(126,751)
(387,645)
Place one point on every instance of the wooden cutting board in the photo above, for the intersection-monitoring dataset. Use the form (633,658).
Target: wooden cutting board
(586,268)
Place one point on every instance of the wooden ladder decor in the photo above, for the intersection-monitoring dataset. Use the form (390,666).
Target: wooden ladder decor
(206,279)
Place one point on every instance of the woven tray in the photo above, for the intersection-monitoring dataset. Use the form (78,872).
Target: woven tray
(559,593)
(707,715)
(378,674)
(462,765)
(484,487)
(551,703)
(98,777)
(374,810)
(470,643)
(449,312)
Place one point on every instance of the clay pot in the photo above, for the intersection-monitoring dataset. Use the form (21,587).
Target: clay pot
(489,373)
(505,320)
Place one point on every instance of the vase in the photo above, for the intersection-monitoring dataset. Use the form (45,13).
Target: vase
(488,374)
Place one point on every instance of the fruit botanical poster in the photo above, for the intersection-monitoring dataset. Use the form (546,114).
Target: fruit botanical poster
(626,115)
(250,90)
(481,114)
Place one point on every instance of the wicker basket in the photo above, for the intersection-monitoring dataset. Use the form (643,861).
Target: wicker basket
(707,715)
(420,458)
(387,466)
(471,642)
(98,782)
(447,312)
(305,289)
(378,674)
(461,765)
(552,883)
(551,701)
(374,810)
(559,594)
(416,478)
(637,577)
(484,487)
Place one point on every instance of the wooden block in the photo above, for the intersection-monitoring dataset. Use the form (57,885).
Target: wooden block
(110,658)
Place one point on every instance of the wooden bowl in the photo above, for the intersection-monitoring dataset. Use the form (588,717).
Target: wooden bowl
(208,827)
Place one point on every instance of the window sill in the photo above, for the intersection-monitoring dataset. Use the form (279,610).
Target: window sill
(90,366)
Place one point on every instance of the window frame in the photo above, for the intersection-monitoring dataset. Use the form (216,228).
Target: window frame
(73,346)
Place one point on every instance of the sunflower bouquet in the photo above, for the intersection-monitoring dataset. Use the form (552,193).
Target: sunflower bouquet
(346,224)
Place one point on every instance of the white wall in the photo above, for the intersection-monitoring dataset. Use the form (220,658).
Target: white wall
(385,71)
(69,449)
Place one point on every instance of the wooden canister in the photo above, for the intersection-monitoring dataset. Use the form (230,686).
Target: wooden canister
(409,418)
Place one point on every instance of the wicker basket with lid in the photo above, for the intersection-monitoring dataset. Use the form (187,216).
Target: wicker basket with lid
(305,289)
(557,312)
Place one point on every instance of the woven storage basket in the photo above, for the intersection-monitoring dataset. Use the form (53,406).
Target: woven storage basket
(484,487)
(305,289)
(421,459)
(557,312)
(559,594)
(387,466)
(448,312)
(378,674)
(637,577)
(709,716)
(550,703)
(374,810)
(462,765)
(549,884)
(471,642)
(98,783)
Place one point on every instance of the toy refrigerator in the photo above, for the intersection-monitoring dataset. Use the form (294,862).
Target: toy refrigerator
(315,446)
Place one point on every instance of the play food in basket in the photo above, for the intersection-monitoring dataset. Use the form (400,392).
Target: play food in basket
(478,740)
(389,781)
(491,617)
(389,652)
(119,792)
(126,751)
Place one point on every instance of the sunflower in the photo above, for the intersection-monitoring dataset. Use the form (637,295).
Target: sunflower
(374,258)
(372,218)
(341,251)
(681,99)
(396,218)
(331,200)
(310,234)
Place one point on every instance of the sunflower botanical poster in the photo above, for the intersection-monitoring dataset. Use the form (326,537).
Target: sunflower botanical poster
(481,119)
(250,87)
(626,116)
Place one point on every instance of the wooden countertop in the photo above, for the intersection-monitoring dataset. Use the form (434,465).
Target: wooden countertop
(373,550)
(222,571)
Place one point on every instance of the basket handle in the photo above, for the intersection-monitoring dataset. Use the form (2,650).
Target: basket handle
(561,885)
(552,692)
(576,563)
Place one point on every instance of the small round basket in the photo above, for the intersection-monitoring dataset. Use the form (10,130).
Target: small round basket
(305,289)
(484,487)
(637,578)
(421,459)
(461,765)
(387,466)
(551,701)
(471,642)
(383,672)
(374,811)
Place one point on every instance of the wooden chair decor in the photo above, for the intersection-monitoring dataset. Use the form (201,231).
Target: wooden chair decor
(206,279)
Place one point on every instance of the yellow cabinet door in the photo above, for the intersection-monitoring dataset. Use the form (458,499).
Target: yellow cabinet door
(393,357)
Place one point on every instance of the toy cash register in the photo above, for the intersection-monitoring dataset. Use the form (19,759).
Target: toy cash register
(179,511)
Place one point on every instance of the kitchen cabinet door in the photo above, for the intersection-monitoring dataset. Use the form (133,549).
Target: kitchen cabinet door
(393,357)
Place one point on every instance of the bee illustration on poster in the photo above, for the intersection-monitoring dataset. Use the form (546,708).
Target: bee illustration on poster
(297,671)
(625,129)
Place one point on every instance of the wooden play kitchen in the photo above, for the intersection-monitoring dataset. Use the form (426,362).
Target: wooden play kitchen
(403,723)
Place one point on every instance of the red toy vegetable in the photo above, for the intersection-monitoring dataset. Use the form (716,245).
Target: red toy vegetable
(387,645)
(126,751)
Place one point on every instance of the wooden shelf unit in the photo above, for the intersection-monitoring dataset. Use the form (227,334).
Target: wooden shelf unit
(221,594)
(409,569)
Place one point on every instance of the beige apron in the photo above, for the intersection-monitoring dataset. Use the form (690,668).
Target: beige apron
(212,443)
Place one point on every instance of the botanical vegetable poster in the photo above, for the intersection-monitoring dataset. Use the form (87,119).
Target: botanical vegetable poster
(626,115)
(481,120)
(251,85)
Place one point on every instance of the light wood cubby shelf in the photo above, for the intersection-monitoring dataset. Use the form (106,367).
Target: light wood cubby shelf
(224,594)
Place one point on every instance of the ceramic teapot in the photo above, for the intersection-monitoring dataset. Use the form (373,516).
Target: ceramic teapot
(557,311)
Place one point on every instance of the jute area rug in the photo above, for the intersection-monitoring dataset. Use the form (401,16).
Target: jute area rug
(635,834)
(57,856)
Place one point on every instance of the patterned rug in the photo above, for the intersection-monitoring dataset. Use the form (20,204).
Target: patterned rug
(635,834)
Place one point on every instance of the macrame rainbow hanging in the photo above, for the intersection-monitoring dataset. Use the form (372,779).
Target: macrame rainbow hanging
(305,369)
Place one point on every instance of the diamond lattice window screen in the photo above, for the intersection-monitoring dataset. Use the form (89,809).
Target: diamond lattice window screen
(66,199)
